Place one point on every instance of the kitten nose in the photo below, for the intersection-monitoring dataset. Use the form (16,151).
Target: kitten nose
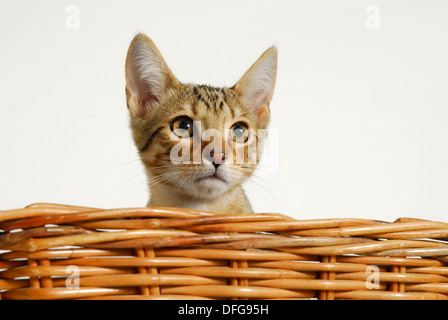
(217,157)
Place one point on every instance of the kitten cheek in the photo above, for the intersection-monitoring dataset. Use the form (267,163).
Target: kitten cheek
(243,155)
(180,152)
(233,175)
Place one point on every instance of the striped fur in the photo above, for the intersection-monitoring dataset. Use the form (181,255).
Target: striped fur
(155,98)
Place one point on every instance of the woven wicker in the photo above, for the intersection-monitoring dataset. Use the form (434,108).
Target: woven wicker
(51,251)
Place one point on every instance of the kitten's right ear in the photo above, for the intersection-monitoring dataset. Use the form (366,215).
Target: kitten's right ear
(256,86)
(148,77)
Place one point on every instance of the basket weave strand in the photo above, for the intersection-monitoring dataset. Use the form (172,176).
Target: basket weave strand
(172,253)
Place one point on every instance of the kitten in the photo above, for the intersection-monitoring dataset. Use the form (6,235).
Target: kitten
(170,123)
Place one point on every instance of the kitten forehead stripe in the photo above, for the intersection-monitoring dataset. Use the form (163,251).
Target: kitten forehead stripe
(231,110)
(213,98)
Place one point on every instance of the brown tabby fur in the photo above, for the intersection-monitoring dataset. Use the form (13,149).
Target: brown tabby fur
(154,105)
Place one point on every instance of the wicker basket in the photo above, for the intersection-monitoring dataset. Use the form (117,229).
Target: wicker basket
(54,251)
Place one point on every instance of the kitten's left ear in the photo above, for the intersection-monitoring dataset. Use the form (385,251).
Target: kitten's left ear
(148,77)
(256,86)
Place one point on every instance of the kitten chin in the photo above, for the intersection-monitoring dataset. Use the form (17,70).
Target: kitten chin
(171,124)
(210,187)
(232,201)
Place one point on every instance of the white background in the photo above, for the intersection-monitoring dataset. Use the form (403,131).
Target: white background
(359,115)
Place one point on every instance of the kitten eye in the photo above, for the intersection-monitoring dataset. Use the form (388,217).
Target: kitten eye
(182,127)
(239,132)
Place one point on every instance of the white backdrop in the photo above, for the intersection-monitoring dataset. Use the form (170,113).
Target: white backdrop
(359,115)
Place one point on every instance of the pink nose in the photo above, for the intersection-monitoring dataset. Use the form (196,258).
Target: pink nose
(217,157)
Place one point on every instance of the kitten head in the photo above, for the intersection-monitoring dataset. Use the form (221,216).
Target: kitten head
(199,140)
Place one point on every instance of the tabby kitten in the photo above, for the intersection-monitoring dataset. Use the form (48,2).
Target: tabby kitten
(171,122)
